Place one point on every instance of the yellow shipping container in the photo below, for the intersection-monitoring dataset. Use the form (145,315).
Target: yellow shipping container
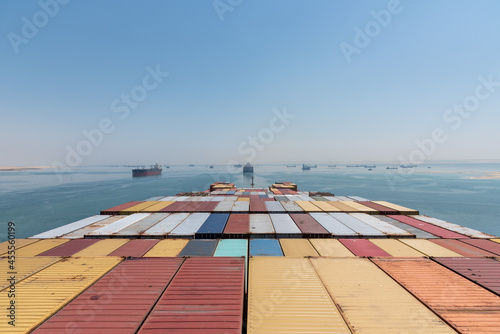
(496,240)
(402,209)
(308,206)
(372,302)
(331,247)
(19,244)
(102,247)
(246,199)
(297,248)
(360,207)
(342,207)
(286,296)
(23,267)
(44,293)
(325,206)
(167,248)
(139,207)
(397,248)
(39,247)
(157,207)
(430,248)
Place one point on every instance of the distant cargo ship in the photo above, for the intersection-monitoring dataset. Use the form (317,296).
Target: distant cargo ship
(248,168)
(154,170)
(291,165)
(306,167)
(238,165)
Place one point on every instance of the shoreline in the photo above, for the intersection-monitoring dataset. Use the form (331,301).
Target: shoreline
(20,169)
(489,176)
(443,171)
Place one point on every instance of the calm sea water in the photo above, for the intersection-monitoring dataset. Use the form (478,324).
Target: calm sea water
(38,201)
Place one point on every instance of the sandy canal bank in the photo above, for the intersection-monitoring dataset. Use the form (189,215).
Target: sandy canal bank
(489,176)
(20,168)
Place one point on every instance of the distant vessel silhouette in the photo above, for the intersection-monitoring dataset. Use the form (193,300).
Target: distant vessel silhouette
(154,170)
(248,168)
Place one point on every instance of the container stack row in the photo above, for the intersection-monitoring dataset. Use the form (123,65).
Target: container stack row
(267,294)
(440,248)
(259,203)
(235,225)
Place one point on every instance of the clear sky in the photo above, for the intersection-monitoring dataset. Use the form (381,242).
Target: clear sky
(86,83)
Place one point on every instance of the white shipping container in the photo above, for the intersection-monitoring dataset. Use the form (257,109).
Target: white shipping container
(284,224)
(166,225)
(273,206)
(291,206)
(68,228)
(240,206)
(142,225)
(381,225)
(343,198)
(260,223)
(356,224)
(332,225)
(190,225)
(224,206)
(81,232)
(119,225)
(305,198)
(455,228)
(294,198)
(358,199)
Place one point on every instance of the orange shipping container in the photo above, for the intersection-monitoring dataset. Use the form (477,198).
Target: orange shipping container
(463,304)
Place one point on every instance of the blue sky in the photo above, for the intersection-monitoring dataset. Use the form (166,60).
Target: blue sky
(233,65)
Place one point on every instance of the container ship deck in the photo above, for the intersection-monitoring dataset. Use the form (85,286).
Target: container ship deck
(273,260)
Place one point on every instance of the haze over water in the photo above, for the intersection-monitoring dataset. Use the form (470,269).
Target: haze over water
(37,201)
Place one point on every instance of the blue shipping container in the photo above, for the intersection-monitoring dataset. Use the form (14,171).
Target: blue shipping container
(265,247)
(213,227)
